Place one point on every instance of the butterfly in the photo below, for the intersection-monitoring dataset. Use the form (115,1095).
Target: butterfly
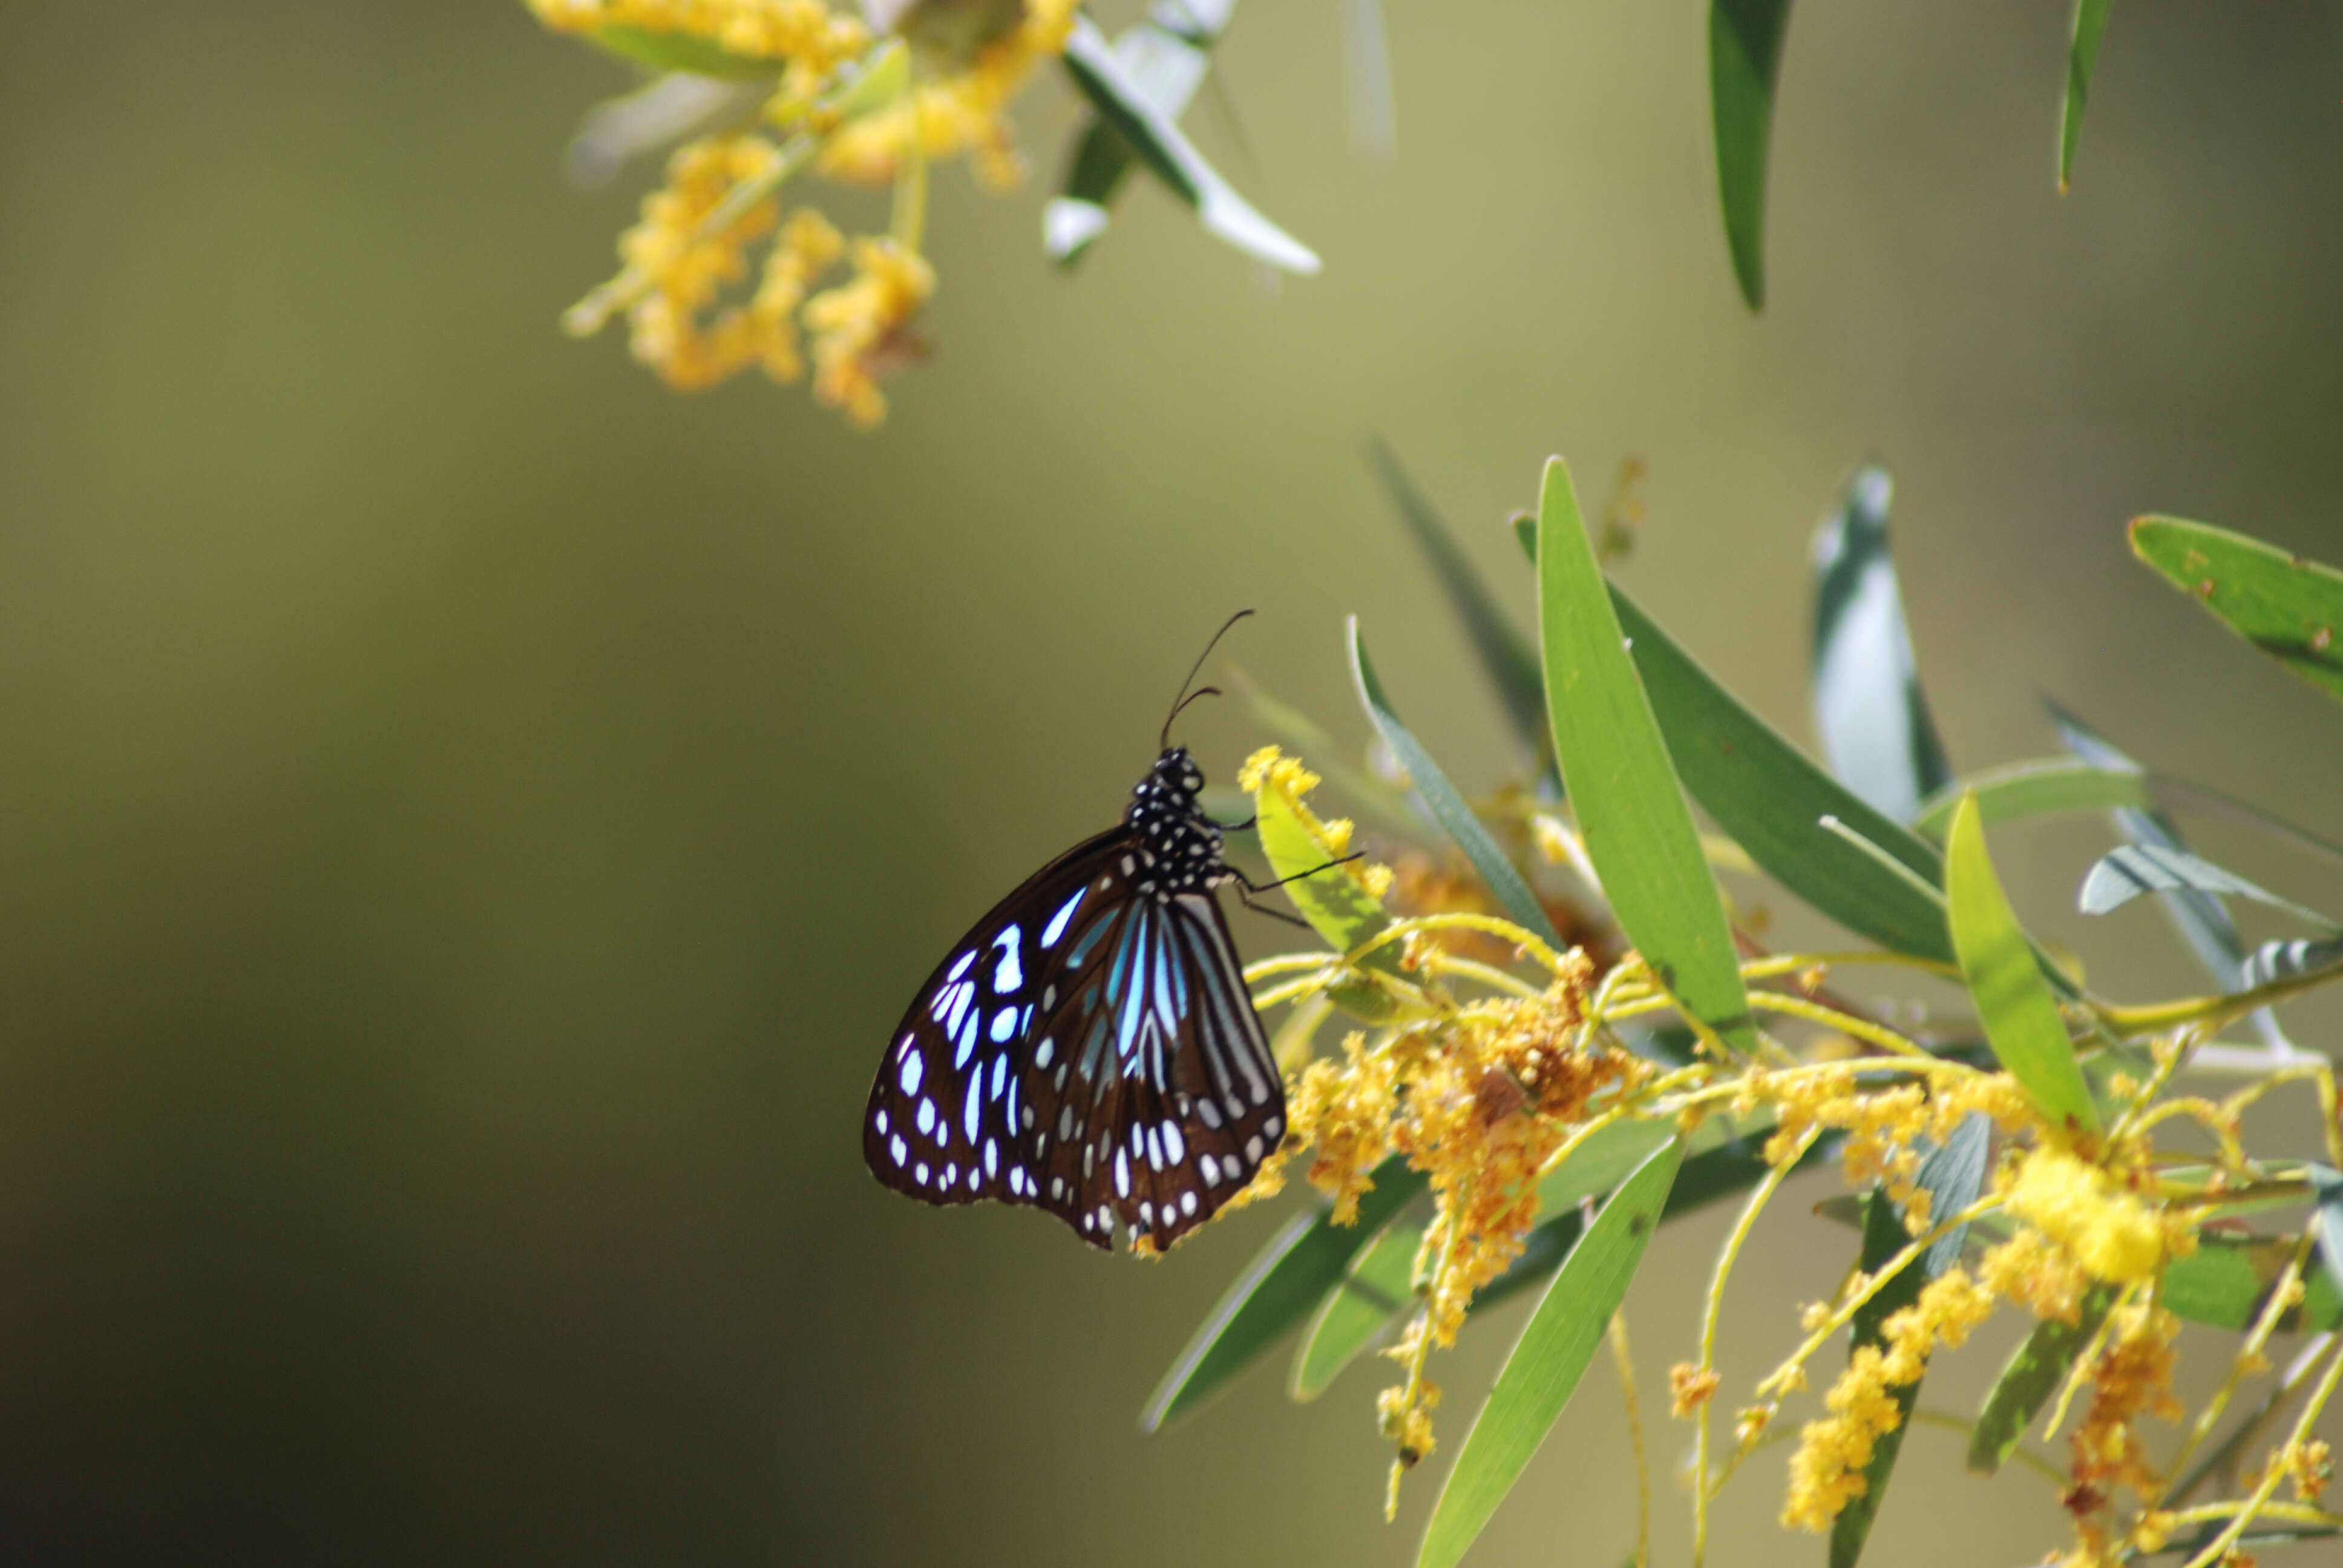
(1089,1048)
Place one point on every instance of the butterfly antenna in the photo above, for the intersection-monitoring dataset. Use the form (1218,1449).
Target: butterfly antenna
(1163,741)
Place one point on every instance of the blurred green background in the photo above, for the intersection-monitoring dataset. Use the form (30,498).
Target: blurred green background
(468,817)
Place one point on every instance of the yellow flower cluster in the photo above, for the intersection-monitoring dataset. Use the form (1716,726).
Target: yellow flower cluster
(1826,1473)
(788,32)
(2111,1233)
(688,256)
(959,113)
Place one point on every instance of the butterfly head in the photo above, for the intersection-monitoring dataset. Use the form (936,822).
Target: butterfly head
(1179,850)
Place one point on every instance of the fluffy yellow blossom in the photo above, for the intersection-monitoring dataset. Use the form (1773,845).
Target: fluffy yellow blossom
(785,31)
(960,111)
(2114,1235)
(847,120)
(1689,1388)
(862,329)
(2035,1273)
(1826,1471)
(1346,1112)
(684,268)
(1881,1122)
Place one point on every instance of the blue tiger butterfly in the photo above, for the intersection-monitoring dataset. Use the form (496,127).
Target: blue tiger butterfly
(1090,1047)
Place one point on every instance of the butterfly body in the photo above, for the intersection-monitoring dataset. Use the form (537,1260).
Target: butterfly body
(1089,1048)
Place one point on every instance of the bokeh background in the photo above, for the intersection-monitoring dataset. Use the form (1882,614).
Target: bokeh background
(468,817)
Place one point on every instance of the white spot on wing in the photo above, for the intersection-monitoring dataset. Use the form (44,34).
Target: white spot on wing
(1188,1203)
(1004,1024)
(1057,926)
(1044,1051)
(1121,1175)
(927,1117)
(1174,1149)
(1009,978)
(910,1077)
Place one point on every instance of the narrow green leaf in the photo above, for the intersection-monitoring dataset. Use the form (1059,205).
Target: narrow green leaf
(2040,788)
(1376,1292)
(2034,1372)
(2259,1534)
(2012,1000)
(1165,54)
(1275,1295)
(1952,1175)
(2290,608)
(1168,153)
(1334,903)
(2124,874)
(1447,807)
(1869,710)
(2226,1281)
(2082,57)
(1543,1369)
(682,52)
(2329,1185)
(1639,833)
(1506,657)
(1770,797)
(1744,58)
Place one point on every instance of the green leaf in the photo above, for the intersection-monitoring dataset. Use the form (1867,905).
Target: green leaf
(1639,833)
(1952,1175)
(1744,58)
(1275,1293)
(2039,788)
(2288,608)
(682,52)
(1506,657)
(2226,1281)
(1092,63)
(1556,1346)
(1334,903)
(1165,54)
(1869,710)
(2033,1373)
(1377,1291)
(1447,807)
(2123,874)
(2012,1000)
(2082,57)
(1770,797)
(2328,1187)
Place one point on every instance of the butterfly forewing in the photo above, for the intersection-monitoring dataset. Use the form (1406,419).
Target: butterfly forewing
(1089,1048)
